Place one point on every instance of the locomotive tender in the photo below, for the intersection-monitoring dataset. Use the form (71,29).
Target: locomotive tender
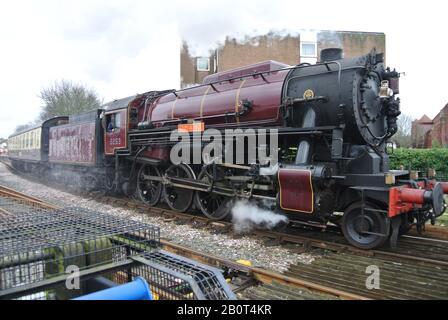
(331,122)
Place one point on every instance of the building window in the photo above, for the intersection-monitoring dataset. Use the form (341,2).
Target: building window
(308,49)
(203,64)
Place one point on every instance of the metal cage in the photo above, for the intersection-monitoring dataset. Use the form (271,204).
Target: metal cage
(43,252)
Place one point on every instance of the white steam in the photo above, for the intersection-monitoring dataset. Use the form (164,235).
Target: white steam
(269,171)
(246,216)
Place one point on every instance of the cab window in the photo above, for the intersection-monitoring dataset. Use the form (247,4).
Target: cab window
(113,122)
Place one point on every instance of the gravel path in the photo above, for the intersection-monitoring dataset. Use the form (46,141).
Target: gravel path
(222,245)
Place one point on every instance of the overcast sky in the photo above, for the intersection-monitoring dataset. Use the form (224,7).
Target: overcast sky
(122,48)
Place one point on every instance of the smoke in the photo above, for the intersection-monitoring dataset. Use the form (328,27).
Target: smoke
(246,216)
(330,39)
(250,37)
(206,45)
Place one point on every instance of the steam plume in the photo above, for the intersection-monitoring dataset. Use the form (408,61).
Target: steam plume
(247,215)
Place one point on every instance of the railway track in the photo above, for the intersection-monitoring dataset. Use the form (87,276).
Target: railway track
(423,259)
(12,201)
(416,249)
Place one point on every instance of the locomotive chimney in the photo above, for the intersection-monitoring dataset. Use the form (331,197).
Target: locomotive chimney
(331,54)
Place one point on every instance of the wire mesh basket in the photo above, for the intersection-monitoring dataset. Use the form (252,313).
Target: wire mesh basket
(38,245)
(40,250)
(209,282)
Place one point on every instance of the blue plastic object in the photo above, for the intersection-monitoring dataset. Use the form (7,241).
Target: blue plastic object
(135,290)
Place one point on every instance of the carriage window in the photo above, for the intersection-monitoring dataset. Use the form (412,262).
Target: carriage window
(35,140)
(39,132)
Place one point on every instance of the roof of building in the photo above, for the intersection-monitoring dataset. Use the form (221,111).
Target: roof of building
(424,119)
(442,113)
(444,109)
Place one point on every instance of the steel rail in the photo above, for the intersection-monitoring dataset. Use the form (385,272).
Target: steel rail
(306,241)
(262,275)
(8,192)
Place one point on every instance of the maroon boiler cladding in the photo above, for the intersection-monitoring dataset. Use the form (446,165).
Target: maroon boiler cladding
(252,100)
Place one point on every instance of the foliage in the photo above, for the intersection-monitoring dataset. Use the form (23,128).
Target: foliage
(436,144)
(65,98)
(436,158)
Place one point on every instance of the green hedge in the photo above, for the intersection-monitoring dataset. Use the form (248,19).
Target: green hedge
(436,158)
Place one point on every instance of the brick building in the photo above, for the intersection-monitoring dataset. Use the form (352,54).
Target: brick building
(427,133)
(305,46)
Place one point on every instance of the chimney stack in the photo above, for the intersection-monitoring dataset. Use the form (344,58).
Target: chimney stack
(331,54)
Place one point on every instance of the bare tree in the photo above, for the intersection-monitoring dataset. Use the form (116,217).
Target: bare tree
(23,127)
(405,124)
(403,136)
(64,98)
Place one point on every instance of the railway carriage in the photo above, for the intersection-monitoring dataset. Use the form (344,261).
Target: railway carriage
(76,150)
(28,149)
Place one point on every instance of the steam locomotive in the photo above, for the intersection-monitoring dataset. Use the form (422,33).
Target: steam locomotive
(314,137)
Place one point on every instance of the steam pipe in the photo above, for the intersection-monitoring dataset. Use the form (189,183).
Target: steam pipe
(303,150)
